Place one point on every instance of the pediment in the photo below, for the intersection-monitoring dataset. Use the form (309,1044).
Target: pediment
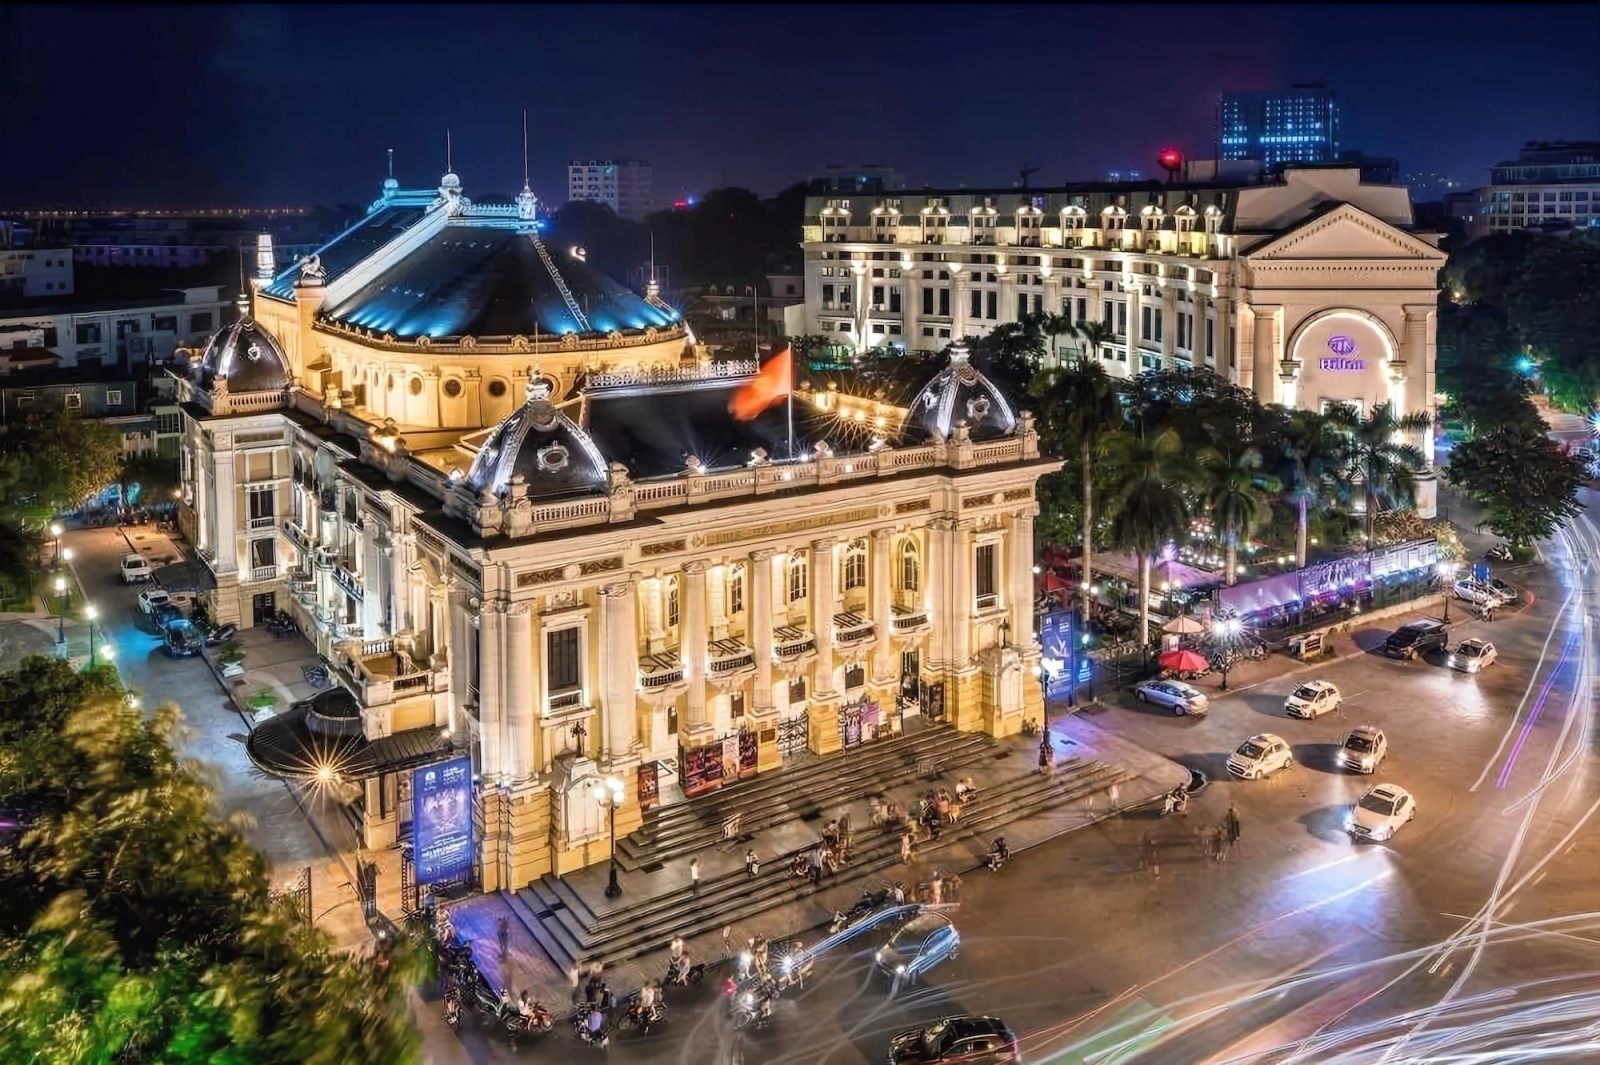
(1346,233)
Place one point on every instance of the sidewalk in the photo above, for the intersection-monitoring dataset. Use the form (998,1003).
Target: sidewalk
(528,968)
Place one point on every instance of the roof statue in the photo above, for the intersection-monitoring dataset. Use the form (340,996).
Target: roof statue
(311,271)
(527,202)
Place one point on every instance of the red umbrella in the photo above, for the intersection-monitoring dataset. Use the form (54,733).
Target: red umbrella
(1184,661)
(1054,583)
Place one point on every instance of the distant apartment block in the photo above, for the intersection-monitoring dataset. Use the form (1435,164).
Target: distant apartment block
(1551,185)
(624,185)
(1295,125)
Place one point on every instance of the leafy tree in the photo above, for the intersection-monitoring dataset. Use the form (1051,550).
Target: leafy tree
(156,476)
(1520,476)
(1238,497)
(139,928)
(1078,409)
(1149,510)
(1308,458)
(62,460)
(1384,467)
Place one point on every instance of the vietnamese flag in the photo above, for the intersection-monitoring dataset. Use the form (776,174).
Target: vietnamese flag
(773,382)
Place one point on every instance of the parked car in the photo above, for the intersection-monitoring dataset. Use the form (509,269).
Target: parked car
(1416,638)
(1260,756)
(967,1039)
(1364,749)
(1313,699)
(1475,593)
(916,947)
(181,638)
(1472,655)
(151,598)
(135,569)
(1506,592)
(1380,812)
(1181,697)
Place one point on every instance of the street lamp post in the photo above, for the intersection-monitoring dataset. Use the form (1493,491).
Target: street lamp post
(55,530)
(609,794)
(61,616)
(1446,571)
(1227,629)
(91,613)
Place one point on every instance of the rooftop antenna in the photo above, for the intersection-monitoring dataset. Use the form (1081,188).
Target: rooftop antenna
(391,162)
(525,183)
(1027,170)
(448,168)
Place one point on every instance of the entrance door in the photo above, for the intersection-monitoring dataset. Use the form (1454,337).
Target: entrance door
(910,697)
(264,607)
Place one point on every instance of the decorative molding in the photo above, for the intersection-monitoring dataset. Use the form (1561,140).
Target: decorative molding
(661,547)
(1019,493)
(599,565)
(619,590)
(911,506)
(695,566)
(541,576)
(783,528)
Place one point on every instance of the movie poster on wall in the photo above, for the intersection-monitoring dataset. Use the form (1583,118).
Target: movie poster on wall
(442,814)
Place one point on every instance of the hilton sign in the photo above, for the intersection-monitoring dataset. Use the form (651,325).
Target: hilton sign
(1343,348)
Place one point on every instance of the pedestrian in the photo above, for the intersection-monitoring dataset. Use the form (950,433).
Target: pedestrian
(727,941)
(694,873)
(936,888)
(574,980)
(905,848)
(752,863)
(1231,823)
(1111,794)
(1046,755)
(503,934)
(1488,612)
(952,887)
(1149,858)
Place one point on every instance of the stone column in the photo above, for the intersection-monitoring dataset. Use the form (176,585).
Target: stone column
(1052,305)
(960,597)
(1264,354)
(519,690)
(822,610)
(911,305)
(619,666)
(399,562)
(655,623)
(227,503)
(936,580)
(372,581)
(1135,326)
(958,301)
(1020,590)
(1197,342)
(863,307)
(760,607)
(431,414)
(1169,324)
(1008,297)
(692,637)
(717,600)
(882,581)
(497,760)
(1417,349)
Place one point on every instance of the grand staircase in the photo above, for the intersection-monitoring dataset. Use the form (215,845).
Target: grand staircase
(569,930)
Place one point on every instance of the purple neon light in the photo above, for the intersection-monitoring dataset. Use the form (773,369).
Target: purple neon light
(1533,716)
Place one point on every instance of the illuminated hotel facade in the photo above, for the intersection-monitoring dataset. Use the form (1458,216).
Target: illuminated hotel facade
(1310,289)
(506,499)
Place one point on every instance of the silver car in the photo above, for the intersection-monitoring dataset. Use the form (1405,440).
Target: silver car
(1181,697)
(1472,655)
(1364,749)
(916,947)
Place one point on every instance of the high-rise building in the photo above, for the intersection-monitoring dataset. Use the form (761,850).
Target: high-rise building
(1297,125)
(1551,185)
(866,178)
(624,185)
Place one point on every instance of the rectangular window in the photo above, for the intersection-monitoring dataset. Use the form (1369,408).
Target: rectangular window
(927,301)
(261,504)
(1233,342)
(113,397)
(894,300)
(984,574)
(736,704)
(264,552)
(994,308)
(977,304)
(1145,332)
(877,295)
(944,303)
(797,690)
(827,295)
(1211,354)
(1159,322)
(73,401)
(89,333)
(1083,309)
(165,323)
(854,677)
(1122,319)
(562,665)
(200,323)
(1022,305)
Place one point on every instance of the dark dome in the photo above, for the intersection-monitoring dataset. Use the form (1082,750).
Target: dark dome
(545,447)
(473,279)
(246,356)
(961,393)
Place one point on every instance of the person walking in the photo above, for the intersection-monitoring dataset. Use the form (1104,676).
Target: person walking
(1046,756)
(752,863)
(727,941)
(503,934)
(1150,858)
(694,873)
(905,848)
(1231,826)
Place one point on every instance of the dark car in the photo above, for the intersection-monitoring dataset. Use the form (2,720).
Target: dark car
(181,638)
(967,1039)
(918,946)
(1416,638)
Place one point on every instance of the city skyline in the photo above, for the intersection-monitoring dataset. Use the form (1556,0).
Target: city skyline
(262,105)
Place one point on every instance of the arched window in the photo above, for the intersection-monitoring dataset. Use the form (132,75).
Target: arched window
(1114,218)
(855,565)
(798,578)
(910,567)
(736,589)
(673,600)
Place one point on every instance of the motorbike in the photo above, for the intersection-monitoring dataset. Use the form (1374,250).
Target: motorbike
(870,901)
(517,1023)
(452,1005)
(754,1011)
(997,856)
(580,1027)
(221,635)
(636,1016)
(679,976)
(1176,802)
(1498,553)
(284,625)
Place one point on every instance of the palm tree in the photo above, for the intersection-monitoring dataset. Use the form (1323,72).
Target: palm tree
(1310,461)
(1052,326)
(1096,335)
(1081,406)
(1238,496)
(1149,509)
(1378,460)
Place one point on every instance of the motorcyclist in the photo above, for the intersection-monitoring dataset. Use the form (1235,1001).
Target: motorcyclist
(595,1023)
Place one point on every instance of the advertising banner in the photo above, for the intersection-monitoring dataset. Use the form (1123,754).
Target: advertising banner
(442,812)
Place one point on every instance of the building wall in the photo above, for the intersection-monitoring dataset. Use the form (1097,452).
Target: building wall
(146,332)
(31,273)
(626,186)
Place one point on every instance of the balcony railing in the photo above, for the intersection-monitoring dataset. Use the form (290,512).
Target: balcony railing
(263,573)
(729,656)
(660,671)
(909,621)
(349,582)
(565,700)
(266,521)
(791,641)
(852,628)
(297,536)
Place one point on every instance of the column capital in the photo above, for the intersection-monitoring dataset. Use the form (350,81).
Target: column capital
(1417,311)
(883,534)
(694,567)
(824,543)
(762,554)
(942,524)
(518,609)
(617,589)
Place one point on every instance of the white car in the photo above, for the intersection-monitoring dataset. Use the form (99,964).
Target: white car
(135,569)
(1380,812)
(1181,697)
(1313,699)
(1364,749)
(1472,655)
(1260,756)
(152,598)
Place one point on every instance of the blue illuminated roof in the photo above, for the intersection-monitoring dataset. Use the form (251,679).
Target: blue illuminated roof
(348,249)
(488,279)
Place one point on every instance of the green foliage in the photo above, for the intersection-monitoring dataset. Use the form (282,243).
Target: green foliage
(59,460)
(1378,461)
(1519,475)
(1149,509)
(230,652)
(1403,526)
(1237,495)
(265,699)
(156,475)
(137,927)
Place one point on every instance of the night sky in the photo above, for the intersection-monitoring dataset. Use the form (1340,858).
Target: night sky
(219,105)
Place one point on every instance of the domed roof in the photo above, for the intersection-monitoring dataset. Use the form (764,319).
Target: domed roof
(246,355)
(545,447)
(961,393)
